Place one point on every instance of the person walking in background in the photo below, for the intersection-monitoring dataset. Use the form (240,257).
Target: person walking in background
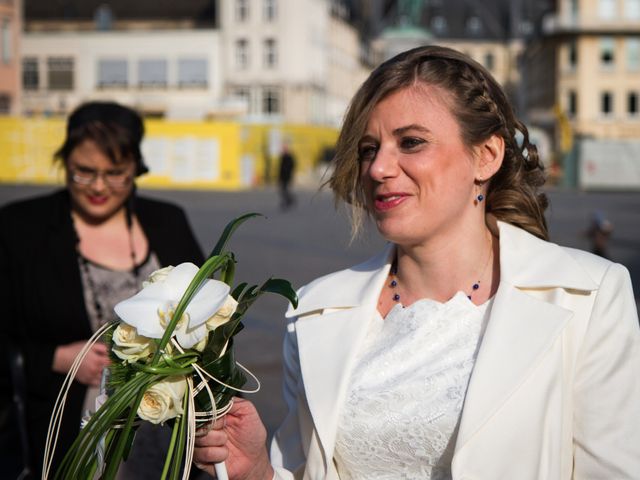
(68,257)
(599,233)
(285,176)
(471,346)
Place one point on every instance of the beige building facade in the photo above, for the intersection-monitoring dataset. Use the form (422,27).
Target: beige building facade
(174,74)
(598,66)
(294,61)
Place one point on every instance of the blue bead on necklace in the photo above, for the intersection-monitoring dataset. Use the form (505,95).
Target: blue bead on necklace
(393,273)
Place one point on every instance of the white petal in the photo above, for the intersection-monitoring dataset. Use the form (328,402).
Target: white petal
(189,337)
(141,311)
(207,301)
(179,279)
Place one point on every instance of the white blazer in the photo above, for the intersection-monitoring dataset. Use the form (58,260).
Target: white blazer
(555,391)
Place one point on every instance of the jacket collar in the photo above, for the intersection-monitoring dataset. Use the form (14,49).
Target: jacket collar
(525,262)
(344,289)
(529,262)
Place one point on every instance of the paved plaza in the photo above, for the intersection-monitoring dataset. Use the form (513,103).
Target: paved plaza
(313,239)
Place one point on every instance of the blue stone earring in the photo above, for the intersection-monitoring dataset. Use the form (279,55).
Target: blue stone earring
(480,196)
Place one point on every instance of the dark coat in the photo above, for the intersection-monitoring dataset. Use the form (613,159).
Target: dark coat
(42,297)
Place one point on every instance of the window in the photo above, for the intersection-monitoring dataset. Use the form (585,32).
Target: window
(489,61)
(270,53)
(270,10)
(271,100)
(152,73)
(439,25)
(607,48)
(473,26)
(632,103)
(572,103)
(192,72)
(244,95)
(30,74)
(632,9)
(60,73)
(572,53)
(242,10)
(573,9)
(633,53)
(607,9)
(5,104)
(5,41)
(113,73)
(606,103)
(242,53)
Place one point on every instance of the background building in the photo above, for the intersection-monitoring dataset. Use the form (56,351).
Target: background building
(10,32)
(595,115)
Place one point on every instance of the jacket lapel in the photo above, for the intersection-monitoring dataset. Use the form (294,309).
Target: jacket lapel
(523,323)
(328,343)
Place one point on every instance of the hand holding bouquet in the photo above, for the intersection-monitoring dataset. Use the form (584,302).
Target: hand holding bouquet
(173,361)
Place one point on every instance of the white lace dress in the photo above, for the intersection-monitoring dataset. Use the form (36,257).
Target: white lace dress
(401,415)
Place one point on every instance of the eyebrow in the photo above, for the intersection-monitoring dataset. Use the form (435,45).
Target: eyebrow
(413,126)
(397,132)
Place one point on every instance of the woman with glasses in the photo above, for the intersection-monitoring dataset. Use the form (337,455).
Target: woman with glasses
(66,258)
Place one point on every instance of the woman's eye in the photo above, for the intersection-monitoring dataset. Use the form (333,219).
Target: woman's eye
(367,152)
(409,143)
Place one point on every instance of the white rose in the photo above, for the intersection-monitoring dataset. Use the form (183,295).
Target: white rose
(163,400)
(223,315)
(130,346)
(157,276)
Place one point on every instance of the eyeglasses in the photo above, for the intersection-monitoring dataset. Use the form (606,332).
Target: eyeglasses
(119,178)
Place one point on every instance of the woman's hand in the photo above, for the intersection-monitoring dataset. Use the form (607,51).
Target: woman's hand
(90,372)
(238,439)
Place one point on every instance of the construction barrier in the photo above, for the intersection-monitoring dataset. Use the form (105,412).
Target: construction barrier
(202,155)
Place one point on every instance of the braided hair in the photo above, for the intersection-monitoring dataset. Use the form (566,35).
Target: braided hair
(481,109)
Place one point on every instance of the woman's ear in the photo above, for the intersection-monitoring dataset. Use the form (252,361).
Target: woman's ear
(490,156)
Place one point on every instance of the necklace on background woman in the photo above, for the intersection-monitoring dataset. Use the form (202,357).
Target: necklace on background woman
(91,283)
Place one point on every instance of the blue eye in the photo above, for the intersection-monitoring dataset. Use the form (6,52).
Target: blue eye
(408,143)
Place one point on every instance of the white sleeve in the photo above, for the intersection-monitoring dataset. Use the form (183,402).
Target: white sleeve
(288,456)
(607,385)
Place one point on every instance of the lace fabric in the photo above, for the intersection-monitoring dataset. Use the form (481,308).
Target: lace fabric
(403,407)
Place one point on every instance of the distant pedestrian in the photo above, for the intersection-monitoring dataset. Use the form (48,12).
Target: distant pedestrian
(599,233)
(285,176)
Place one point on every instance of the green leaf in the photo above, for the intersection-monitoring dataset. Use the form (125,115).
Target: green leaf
(281,287)
(238,290)
(228,231)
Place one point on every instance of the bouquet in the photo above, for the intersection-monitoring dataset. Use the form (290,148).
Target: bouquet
(172,361)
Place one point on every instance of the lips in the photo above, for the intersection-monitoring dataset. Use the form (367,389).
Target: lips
(387,201)
(97,200)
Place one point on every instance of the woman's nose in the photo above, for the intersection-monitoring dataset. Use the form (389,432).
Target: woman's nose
(384,165)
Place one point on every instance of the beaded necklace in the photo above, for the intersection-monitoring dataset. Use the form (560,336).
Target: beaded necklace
(393,274)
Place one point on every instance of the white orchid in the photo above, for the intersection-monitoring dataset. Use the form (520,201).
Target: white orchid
(151,309)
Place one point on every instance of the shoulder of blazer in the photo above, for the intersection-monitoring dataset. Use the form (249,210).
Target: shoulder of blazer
(527,261)
(346,288)
(157,218)
(36,216)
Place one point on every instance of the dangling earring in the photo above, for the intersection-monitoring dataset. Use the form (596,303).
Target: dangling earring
(480,196)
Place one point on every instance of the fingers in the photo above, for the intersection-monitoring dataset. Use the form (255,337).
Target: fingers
(211,448)
(100,349)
